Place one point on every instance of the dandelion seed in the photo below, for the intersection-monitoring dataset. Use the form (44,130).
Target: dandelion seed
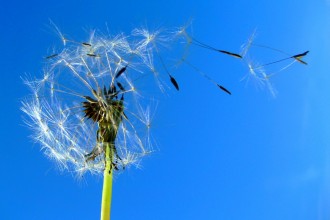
(59,33)
(86,44)
(121,87)
(121,71)
(224,89)
(51,56)
(92,55)
(257,72)
(299,56)
(173,81)
(207,77)
(203,45)
(231,54)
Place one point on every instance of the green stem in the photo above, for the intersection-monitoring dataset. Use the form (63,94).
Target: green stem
(107,185)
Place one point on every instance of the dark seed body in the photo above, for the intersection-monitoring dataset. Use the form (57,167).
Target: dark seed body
(51,56)
(301,55)
(231,54)
(120,86)
(121,71)
(175,84)
(224,89)
(91,55)
(86,44)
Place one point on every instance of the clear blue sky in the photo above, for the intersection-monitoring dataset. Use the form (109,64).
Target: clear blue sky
(245,156)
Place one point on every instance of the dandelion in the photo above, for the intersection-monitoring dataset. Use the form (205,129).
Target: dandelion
(87,111)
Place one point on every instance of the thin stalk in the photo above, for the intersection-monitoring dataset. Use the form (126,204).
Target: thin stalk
(107,185)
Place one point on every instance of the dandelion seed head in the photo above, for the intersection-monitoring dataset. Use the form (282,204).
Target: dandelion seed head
(88,96)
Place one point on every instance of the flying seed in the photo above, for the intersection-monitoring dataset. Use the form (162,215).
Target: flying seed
(224,89)
(121,71)
(206,46)
(299,56)
(175,84)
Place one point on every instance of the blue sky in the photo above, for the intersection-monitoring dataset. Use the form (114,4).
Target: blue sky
(245,156)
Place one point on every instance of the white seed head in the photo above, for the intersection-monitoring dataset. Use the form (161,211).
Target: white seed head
(86,71)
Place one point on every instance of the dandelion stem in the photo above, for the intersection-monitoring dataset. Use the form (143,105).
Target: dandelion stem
(107,185)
